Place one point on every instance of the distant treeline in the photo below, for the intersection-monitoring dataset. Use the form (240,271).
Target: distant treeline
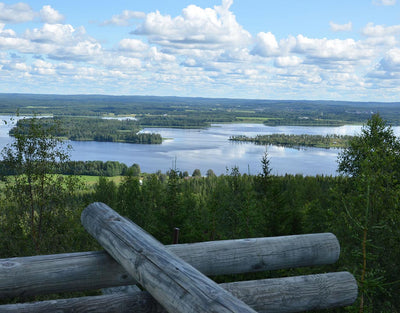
(199,112)
(91,168)
(95,129)
(301,121)
(317,141)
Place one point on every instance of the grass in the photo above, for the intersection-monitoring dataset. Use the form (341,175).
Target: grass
(92,180)
(87,180)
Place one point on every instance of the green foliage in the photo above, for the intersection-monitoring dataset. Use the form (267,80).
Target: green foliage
(196,173)
(317,141)
(371,211)
(96,129)
(38,199)
(360,207)
(210,173)
(134,170)
(200,112)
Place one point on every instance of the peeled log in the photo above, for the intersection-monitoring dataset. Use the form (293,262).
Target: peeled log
(280,295)
(175,284)
(44,274)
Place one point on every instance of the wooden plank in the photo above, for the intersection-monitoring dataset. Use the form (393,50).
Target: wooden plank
(175,284)
(280,295)
(26,276)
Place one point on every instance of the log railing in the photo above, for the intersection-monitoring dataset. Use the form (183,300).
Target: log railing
(174,276)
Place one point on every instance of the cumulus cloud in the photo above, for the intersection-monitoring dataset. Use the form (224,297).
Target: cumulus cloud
(341,27)
(132,45)
(125,18)
(334,49)
(59,41)
(266,45)
(287,61)
(16,66)
(54,33)
(6,32)
(195,28)
(41,67)
(391,61)
(372,30)
(49,15)
(199,50)
(16,13)
(81,51)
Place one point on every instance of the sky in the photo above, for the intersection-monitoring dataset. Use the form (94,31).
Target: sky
(254,49)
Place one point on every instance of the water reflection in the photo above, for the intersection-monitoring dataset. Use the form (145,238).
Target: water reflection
(210,149)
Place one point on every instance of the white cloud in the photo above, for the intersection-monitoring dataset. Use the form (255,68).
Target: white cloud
(384,2)
(202,50)
(287,61)
(266,45)
(372,30)
(16,13)
(158,56)
(341,27)
(6,32)
(59,41)
(54,33)
(132,45)
(125,18)
(333,49)
(16,66)
(41,67)
(82,51)
(391,61)
(195,28)
(49,15)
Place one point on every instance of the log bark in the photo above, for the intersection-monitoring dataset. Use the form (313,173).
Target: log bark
(44,274)
(175,284)
(280,295)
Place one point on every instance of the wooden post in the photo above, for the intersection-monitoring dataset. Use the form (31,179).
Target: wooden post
(175,284)
(279,295)
(44,274)
(175,240)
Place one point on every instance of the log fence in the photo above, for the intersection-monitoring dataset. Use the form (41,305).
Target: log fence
(174,278)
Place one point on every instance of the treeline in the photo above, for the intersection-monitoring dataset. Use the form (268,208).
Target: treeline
(304,121)
(173,121)
(241,206)
(226,207)
(91,168)
(200,111)
(304,140)
(93,129)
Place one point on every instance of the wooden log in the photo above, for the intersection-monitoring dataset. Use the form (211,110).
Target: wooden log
(27,276)
(175,284)
(280,295)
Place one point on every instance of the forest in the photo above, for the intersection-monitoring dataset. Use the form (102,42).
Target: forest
(95,129)
(304,140)
(40,209)
(200,112)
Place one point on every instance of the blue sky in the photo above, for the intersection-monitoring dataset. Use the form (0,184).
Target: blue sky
(287,49)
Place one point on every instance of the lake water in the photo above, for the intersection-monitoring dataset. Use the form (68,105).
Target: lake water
(209,148)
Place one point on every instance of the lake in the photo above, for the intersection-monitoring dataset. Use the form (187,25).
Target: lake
(188,149)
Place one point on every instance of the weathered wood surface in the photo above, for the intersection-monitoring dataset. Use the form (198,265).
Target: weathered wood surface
(175,284)
(26,276)
(280,295)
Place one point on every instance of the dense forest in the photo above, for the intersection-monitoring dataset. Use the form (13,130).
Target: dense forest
(285,140)
(96,129)
(90,168)
(200,112)
(40,210)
